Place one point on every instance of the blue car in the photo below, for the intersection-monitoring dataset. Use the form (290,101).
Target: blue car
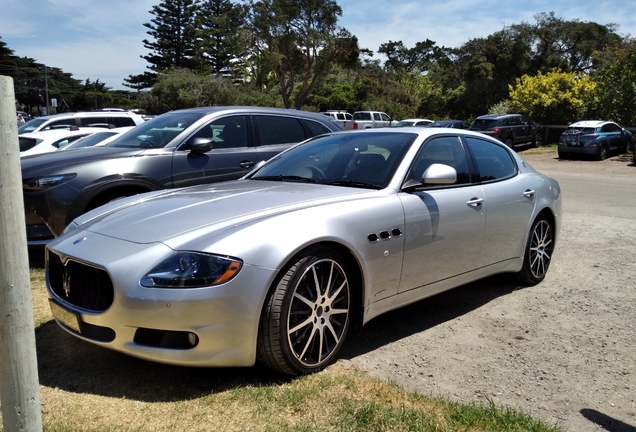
(594,137)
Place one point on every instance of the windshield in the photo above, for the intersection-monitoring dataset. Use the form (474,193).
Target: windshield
(157,132)
(483,124)
(31,125)
(441,123)
(89,140)
(360,160)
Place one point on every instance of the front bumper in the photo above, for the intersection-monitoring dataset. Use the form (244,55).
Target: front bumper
(210,326)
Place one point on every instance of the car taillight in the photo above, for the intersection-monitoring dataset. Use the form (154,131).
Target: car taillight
(355,125)
(590,136)
(495,131)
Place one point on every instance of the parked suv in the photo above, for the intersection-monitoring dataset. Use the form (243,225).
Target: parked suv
(343,118)
(81,119)
(594,137)
(178,148)
(372,119)
(511,129)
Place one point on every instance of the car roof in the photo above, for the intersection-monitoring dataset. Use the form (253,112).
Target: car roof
(497,116)
(589,123)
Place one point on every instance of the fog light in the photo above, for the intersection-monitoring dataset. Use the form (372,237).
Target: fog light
(193,340)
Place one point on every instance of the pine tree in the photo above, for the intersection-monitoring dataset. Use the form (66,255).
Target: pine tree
(219,25)
(174,32)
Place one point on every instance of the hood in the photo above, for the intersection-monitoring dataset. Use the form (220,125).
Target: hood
(159,216)
(51,162)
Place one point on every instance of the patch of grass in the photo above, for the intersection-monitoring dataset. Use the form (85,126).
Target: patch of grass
(88,388)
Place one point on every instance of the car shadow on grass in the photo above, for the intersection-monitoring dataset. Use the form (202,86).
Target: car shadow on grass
(73,365)
(428,313)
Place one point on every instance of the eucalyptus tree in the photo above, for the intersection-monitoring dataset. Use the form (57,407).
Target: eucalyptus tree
(300,41)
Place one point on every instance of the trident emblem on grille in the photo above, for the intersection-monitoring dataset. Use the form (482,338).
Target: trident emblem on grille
(66,282)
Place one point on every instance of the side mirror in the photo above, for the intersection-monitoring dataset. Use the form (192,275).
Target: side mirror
(200,145)
(439,174)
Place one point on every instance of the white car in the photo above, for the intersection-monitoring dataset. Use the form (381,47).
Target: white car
(414,122)
(51,140)
(82,119)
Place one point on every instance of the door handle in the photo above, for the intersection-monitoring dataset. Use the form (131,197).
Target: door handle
(475,202)
(246,164)
(529,193)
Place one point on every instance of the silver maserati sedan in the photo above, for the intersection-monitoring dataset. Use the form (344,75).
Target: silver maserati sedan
(278,266)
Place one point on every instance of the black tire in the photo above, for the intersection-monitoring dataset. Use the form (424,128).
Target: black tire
(537,141)
(563,155)
(624,147)
(538,254)
(601,153)
(307,314)
(509,142)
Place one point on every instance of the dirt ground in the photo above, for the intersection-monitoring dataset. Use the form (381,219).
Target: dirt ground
(564,350)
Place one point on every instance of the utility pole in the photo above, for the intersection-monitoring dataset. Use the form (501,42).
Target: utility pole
(19,383)
(46,89)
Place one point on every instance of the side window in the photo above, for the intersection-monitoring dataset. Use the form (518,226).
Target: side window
(123,121)
(442,150)
(226,132)
(60,124)
(377,116)
(611,127)
(279,130)
(493,161)
(340,116)
(348,117)
(385,117)
(316,128)
(94,121)
(524,121)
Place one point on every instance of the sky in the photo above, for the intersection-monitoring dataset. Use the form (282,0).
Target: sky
(102,39)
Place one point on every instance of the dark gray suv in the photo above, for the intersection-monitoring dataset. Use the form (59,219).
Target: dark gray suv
(511,129)
(178,148)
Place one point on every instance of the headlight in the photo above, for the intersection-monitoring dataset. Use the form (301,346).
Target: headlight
(40,183)
(192,270)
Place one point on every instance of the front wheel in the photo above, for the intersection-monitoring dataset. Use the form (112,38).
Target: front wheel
(538,256)
(538,140)
(307,314)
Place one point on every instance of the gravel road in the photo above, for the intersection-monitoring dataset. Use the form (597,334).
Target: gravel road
(564,350)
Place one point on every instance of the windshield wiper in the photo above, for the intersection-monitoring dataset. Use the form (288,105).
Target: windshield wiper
(354,183)
(286,178)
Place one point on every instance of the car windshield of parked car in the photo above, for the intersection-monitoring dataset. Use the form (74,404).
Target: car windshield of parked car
(442,123)
(483,124)
(404,123)
(88,141)
(31,125)
(157,132)
(361,160)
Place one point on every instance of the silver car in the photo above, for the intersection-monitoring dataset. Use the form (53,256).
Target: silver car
(279,265)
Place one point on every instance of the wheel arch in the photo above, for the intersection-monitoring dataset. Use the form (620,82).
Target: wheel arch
(108,191)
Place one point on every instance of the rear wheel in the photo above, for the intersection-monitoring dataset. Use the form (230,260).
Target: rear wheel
(307,314)
(563,155)
(601,153)
(538,254)
(509,142)
(538,140)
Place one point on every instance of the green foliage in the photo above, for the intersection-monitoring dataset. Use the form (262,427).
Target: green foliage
(556,97)
(616,83)
(504,107)
(183,88)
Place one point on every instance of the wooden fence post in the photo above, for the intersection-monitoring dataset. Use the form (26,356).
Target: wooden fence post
(19,384)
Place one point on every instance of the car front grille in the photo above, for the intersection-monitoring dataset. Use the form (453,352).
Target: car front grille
(79,284)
